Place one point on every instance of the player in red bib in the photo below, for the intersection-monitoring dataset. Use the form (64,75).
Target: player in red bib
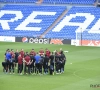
(27,64)
(20,64)
(32,65)
(33,53)
(41,52)
(22,53)
(47,52)
(12,53)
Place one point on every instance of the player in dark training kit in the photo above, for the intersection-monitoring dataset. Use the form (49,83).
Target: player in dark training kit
(12,61)
(32,66)
(16,57)
(4,63)
(51,68)
(45,64)
(63,59)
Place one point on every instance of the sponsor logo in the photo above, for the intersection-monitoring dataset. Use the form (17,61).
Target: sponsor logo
(56,41)
(74,42)
(7,39)
(32,40)
(39,40)
(89,43)
(25,39)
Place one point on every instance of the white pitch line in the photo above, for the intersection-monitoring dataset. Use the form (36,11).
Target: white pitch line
(75,74)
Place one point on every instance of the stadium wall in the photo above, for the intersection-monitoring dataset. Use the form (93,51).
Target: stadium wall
(50,41)
(35,40)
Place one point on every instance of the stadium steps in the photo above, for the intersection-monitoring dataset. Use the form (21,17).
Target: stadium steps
(52,26)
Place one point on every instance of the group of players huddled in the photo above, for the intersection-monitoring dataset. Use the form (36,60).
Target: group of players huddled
(42,62)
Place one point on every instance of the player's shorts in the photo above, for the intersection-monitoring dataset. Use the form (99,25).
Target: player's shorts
(16,60)
(13,59)
(4,64)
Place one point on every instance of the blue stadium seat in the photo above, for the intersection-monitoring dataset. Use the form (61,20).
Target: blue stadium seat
(53,1)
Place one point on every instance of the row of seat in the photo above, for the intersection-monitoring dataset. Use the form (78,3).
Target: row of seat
(53,1)
(79,36)
(19,33)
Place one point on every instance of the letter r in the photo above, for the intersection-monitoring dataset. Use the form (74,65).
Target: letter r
(4,23)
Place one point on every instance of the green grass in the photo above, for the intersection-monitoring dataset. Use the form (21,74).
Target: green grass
(84,70)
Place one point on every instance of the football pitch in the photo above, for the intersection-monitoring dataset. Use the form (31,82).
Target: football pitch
(82,70)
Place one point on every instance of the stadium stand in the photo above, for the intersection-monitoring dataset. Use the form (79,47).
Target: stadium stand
(69,31)
(25,26)
(53,1)
(44,17)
